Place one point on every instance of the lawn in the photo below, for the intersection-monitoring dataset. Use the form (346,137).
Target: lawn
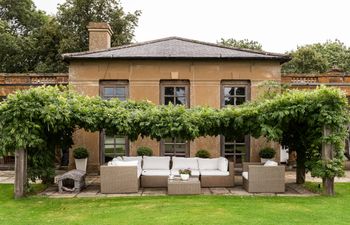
(177,210)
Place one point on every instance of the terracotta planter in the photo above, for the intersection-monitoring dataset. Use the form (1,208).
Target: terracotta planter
(80,164)
(185,176)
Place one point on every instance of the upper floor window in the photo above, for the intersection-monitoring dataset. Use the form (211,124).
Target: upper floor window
(114,89)
(234,92)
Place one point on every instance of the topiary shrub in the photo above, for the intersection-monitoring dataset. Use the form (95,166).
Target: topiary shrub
(80,153)
(202,153)
(267,153)
(141,151)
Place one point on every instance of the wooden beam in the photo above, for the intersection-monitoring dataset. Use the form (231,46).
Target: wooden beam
(21,173)
(327,154)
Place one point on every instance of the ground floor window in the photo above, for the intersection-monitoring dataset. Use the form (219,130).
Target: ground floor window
(175,147)
(235,149)
(114,146)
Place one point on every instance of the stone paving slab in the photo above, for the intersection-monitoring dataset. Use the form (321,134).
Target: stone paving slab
(154,191)
(219,191)
(206,191)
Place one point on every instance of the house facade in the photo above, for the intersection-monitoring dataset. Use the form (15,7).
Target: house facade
(170,70)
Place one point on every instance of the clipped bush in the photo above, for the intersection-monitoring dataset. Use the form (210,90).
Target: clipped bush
(80,153)
(202,153)
(141,151)
(267,153)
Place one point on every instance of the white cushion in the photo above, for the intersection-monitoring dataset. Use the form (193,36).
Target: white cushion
(193,172)
(155,172)
(214,173)
(126,163)
(185,163)
(135,158)
(245,175)
(156,163)
(270,163)
(208,164)
(223,164)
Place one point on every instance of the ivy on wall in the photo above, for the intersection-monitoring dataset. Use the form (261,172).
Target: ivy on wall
(41,118)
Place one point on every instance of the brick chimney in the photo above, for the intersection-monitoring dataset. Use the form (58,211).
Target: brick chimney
(99,36)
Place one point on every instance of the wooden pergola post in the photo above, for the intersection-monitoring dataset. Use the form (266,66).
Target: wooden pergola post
(327,154)
(20,173)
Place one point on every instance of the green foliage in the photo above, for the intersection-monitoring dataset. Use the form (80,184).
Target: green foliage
(80,153)
(244,43)
(40,119)
(267,153)
(202,153)
(144,151)
(185,171)
(319,58)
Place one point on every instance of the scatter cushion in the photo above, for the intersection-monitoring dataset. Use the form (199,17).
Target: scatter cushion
(126,163)
(245,175)
(194,173)
(208,164)
(270,163)
(223,164)
(156,163)
(155,172)
(214,173)
(185,163)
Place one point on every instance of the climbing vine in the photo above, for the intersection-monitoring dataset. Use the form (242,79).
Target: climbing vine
(39,119)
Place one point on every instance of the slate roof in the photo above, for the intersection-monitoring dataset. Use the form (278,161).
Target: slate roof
(176,48)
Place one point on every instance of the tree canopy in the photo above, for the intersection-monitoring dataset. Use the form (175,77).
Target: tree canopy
(319,58)
(244,43)
(32,41)
(41,118)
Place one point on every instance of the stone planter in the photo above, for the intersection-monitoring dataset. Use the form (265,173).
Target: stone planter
(80,164)
(185,176)
(264,160)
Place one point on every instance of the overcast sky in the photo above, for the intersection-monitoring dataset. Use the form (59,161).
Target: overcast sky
(278,25)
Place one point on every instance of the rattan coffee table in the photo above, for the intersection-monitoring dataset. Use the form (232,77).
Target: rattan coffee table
(180,187)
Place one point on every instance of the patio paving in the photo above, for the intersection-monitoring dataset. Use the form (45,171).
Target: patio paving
(93,189)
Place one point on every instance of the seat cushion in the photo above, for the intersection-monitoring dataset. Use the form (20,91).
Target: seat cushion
(156,163)
(214,173)
(185,163)
(194,173)
(245,175)
(155,172)
(208,164)
(223,164)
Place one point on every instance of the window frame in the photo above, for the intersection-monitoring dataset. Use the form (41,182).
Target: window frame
(112,84)
(174,83)
(235,83)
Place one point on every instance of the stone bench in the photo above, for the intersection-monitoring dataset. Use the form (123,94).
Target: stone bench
(71,181)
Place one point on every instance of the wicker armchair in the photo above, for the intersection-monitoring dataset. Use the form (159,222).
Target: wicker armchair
(264,179)
(119,179)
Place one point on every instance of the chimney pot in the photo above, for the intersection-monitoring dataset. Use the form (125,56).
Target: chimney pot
(99,36)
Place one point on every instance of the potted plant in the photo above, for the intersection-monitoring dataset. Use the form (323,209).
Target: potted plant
(185,174)
(144,151)
(202,153)
(80,155)
(267,153)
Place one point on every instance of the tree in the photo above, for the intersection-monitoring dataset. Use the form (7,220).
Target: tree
(319,58)
(74,15)
(244,43)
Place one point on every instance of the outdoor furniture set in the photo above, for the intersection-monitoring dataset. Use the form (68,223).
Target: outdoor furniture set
(127,174)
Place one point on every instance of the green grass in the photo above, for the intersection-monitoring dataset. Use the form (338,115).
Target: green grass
(177,210)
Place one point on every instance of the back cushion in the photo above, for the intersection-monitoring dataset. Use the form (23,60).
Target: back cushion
(208,164)
(156,163)
(185,163)
(223,164)
(126,163)
(134,158)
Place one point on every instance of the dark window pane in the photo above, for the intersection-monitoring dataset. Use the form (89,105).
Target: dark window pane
(229,101)
(229,148)
(229,91)
(240,100)
(240,90)
(239,158)
(169,148)
(180,91)
(169,90)
(107,91)
(180,148)
(120,91)
(168,100)
(240,139)
(229,140)
(180,101)
(240,149)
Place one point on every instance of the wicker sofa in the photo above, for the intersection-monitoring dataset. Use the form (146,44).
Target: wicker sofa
(258,178)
